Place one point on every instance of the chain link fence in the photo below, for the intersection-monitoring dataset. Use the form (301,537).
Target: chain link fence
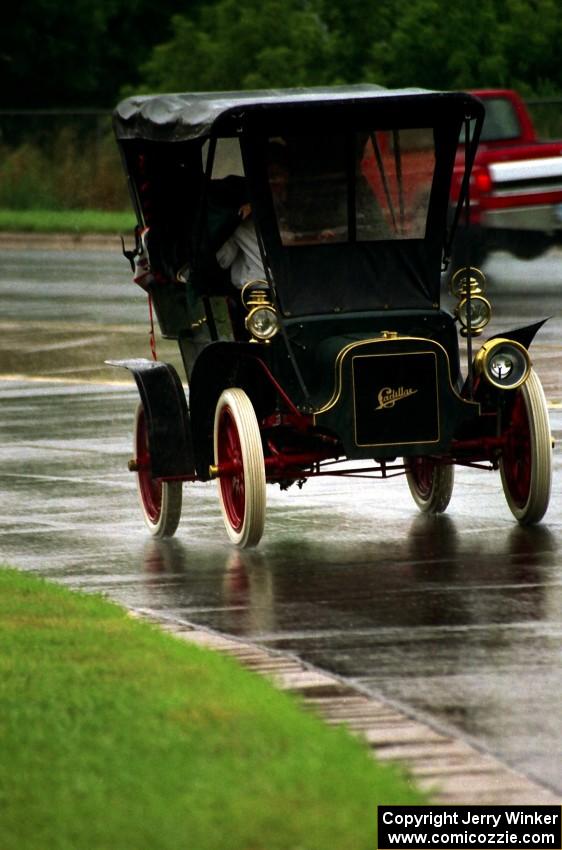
(62,159)
(68,159)
(546,113)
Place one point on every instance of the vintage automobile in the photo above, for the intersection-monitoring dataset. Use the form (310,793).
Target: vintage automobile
(337,359)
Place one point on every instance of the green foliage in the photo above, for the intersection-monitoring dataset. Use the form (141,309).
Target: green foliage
(531,34)
(56,53)
(232,44)
(71,171)
(86,53)
(436,44)
(489,43)
(547,119)
(24,178)
(116,735)
(96,51)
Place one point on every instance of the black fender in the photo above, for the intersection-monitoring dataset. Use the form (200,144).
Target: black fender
(167,416)
(524,335)
(486,394)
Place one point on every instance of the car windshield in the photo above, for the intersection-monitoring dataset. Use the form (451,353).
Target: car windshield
(361,187)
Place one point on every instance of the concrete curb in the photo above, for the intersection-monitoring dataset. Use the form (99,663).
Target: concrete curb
(19,241)
(450,768)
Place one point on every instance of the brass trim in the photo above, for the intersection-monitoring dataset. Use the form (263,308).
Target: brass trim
(460,282)
(256,295)
(336,394)
(393,442)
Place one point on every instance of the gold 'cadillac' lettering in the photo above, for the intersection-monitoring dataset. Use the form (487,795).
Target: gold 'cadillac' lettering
(388,397)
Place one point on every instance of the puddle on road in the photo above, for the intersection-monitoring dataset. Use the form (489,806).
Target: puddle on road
(65,351)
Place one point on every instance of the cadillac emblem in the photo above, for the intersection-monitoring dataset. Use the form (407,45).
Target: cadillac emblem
(388,397)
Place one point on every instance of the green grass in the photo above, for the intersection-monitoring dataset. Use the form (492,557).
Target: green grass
(66,221)
(115,735)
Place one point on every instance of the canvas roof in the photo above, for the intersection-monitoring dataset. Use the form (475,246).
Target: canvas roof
(193,115)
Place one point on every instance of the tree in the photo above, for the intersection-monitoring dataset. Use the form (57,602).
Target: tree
(59,54)
(56,54)
(488,43)
(243,44)
(438,45)
(531,34)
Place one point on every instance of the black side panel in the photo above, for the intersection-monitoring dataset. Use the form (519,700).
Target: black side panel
(167,416)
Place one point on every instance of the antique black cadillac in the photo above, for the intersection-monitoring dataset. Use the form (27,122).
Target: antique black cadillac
(334,349)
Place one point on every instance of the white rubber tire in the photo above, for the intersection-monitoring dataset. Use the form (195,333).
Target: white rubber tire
(526,465)
(160,501)
(242,496)
(431,486)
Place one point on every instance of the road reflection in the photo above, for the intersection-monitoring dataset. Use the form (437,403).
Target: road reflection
(460,627)
(435,577)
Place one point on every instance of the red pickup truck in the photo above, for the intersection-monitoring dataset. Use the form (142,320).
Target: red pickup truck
(516,184)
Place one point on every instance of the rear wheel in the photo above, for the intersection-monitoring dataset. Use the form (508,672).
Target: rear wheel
(526,462)
(160,500)
(238,450)
(430,483)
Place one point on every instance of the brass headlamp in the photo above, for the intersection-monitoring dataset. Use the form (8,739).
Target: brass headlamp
(505,363)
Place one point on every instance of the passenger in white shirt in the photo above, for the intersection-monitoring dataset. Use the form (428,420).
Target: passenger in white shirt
(241,251)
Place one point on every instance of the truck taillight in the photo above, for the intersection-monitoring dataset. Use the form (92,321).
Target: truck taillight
(482,180)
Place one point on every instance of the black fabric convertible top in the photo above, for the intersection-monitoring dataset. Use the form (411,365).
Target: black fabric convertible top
(162,137)
(184,117)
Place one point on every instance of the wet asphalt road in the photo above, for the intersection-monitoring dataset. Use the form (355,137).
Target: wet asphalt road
(457,618)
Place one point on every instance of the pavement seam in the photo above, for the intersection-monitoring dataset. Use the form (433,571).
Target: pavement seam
(450,768)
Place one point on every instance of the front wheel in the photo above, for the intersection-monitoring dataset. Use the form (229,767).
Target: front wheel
(430,483)
(239,452)
(160,500)
(526,462)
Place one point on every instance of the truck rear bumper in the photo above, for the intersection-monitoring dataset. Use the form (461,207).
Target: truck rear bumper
(546,218)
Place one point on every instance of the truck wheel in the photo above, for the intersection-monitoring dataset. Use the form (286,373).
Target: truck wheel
(528,245)
(430,483)
(526,462)
(242,491)
(160,500)
(470,247)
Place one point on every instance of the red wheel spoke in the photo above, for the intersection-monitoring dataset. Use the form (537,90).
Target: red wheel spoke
(422,469)
(232,487)
(151,490)
(517,453)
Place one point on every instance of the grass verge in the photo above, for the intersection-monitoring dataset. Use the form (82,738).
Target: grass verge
(114,734)
(66,221)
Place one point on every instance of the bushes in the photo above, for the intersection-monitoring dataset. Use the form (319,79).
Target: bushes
(71,162)
(67,169)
